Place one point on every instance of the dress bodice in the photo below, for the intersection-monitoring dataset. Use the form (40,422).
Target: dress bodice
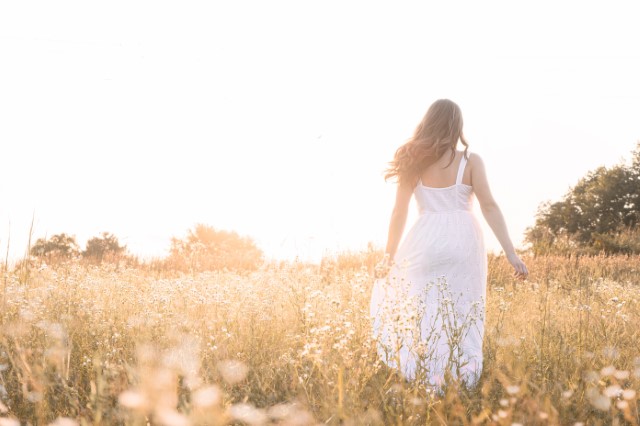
(458,196)
(441,200)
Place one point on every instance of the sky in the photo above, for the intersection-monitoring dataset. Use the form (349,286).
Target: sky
(277,119)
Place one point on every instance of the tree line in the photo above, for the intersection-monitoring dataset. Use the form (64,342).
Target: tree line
(599,215)
(62,246)
(204,248)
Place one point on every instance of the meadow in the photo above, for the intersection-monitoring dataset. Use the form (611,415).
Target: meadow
(290,344)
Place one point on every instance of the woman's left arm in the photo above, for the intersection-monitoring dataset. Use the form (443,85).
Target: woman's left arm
(398,219)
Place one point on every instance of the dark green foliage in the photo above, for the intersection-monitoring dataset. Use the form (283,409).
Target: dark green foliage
(598,215)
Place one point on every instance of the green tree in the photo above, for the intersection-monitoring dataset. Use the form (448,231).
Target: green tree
(57,247)
(104,247)
(599,214)
(206,249)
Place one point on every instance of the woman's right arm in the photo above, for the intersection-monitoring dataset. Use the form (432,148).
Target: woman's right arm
(398,219)
(493,215)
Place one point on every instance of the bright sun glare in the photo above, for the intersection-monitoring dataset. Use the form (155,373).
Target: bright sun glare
(277,119)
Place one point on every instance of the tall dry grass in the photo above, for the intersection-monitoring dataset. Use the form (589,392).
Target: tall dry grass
(290,344)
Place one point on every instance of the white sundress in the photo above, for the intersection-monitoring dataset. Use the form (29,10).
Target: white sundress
(428,313)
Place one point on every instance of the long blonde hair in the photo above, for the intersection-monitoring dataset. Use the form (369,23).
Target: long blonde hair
(438,132)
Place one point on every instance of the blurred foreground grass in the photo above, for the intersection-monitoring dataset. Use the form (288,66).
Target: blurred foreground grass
(290,344)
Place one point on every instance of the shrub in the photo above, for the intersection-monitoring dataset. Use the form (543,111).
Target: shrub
(106,247)
(57,247)
(207,249)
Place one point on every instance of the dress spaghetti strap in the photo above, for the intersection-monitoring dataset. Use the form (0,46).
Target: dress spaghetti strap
(463,163)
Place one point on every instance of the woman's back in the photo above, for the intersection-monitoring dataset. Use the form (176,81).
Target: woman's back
(448,193)
(441,174)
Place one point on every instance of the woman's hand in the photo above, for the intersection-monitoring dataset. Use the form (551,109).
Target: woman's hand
(520,269)
(382,268)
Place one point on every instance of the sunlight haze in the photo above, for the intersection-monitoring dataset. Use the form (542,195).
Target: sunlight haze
(277,119)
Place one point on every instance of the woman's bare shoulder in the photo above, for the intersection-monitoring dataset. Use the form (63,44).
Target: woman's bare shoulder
(472,155)
(475,159)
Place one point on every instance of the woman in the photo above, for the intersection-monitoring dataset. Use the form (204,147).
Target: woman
(428,312)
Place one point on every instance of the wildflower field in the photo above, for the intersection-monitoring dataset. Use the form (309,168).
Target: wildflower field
(291,344)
